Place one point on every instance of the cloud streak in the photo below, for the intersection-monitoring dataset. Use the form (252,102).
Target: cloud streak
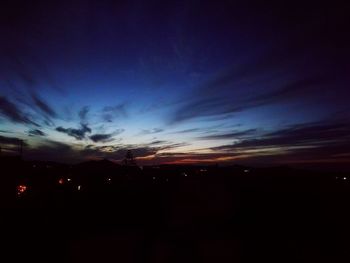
(78,134)
(231,135)
(209,105)
(13,113)
(43,106)
(36,132)
(108,137)
(151,131)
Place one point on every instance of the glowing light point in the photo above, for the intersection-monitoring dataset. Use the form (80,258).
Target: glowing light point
(21,189)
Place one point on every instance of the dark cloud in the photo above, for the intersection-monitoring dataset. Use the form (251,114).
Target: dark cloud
(43,106)
(157,142)
(99,137)
(13,113)
(110,113)
(231,135)
(36,132)
(78,134)
(36,107)
(41,110)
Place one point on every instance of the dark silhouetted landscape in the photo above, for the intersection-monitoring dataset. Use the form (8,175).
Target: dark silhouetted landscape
(100,211)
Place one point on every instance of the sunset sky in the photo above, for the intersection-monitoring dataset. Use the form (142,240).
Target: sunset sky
(176,82)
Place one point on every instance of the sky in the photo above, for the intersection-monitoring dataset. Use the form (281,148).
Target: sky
(181,82)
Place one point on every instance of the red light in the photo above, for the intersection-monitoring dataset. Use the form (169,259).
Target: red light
(61,181)
(21,189)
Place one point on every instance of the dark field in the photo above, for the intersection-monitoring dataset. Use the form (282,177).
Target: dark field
(173,214)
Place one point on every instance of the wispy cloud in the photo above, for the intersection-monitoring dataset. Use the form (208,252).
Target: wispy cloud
(36,132)
(158,142)
(43,106)
(107,137)
(13,113)
(206,105)
(188,130)
(230,135)
(151,131)
(78,134)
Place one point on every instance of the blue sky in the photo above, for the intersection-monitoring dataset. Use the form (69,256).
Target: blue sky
(175,82)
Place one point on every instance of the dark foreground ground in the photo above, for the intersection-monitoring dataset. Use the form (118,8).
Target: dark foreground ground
(177,215)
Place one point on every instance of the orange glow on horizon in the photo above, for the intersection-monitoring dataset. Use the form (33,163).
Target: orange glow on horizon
(207,160)
(148,157)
